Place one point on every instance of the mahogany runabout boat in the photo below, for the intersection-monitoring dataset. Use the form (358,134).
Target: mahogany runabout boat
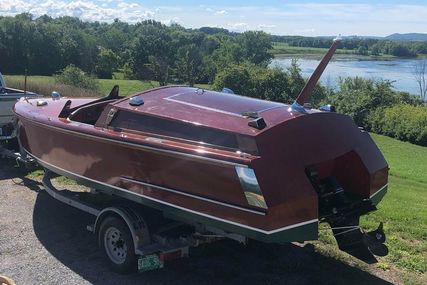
(259,169)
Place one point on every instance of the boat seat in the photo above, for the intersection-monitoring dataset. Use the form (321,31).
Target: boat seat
(89,114)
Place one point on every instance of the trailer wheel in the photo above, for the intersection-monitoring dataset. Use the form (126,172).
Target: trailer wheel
(6,281)
(117,245)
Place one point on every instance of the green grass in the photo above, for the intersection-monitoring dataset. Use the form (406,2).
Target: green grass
(404,208)
(35,78)
(405,159)
(285,49)
(404,212)
(127,87)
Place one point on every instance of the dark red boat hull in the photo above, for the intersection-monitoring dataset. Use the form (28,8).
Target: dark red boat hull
(200,183)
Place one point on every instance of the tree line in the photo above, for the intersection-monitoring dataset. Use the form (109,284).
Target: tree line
(363,46)
(148,50)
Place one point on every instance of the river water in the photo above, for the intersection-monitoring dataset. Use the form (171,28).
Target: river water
(399,71)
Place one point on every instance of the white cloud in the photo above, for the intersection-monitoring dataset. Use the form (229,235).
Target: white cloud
(174,20)
(85,10)
(266,26)
(221,12)
(238,27)
(283,18)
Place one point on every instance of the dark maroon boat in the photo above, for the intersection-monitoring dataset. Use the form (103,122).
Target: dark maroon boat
(263,170)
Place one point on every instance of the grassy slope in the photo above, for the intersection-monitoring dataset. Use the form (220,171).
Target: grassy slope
(405,159)
(127,87)
(403,211)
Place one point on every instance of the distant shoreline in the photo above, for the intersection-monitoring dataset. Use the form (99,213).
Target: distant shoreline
(281,50)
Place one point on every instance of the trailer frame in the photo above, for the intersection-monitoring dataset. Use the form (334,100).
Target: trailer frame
(152,249)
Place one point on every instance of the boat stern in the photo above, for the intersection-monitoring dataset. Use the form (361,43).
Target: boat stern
(325,160)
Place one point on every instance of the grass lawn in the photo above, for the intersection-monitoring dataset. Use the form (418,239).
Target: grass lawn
(404,208)
(127,87)
(285,49)
(405,159)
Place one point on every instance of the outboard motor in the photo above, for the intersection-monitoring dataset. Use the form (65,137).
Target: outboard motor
(342,213)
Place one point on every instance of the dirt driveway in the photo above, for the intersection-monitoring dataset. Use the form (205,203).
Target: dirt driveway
(43,241)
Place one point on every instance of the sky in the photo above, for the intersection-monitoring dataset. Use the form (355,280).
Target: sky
(307,18)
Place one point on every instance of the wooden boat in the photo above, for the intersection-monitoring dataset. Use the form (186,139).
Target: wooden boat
(263,170)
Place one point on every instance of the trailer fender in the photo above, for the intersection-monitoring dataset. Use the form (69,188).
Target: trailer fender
(136,224)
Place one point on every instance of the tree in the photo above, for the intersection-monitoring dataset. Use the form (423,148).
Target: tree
(154,52)
(147,50)
(419,72)
(189,63)
(235,77)
(256,47)
(362,50)
(296,81)
(107,63)
(400,50)
(259,82)
(375,50)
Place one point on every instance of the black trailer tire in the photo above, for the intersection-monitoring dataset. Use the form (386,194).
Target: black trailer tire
(117,245)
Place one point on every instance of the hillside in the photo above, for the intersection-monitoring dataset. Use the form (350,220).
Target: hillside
(407,37)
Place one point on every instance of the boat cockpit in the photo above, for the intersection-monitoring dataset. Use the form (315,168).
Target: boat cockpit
(95,113)
(89,113)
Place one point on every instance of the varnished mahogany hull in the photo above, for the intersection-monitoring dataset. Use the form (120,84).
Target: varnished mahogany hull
(202,185)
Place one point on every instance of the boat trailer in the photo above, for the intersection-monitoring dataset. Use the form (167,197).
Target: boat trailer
(123,234)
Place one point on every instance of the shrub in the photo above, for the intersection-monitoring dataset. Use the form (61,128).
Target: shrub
(235,77)
(359,98)
(266,83)
(402,121)
(254,81)
(74,76)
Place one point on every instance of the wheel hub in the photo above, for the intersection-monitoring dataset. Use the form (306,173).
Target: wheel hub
(115,246)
